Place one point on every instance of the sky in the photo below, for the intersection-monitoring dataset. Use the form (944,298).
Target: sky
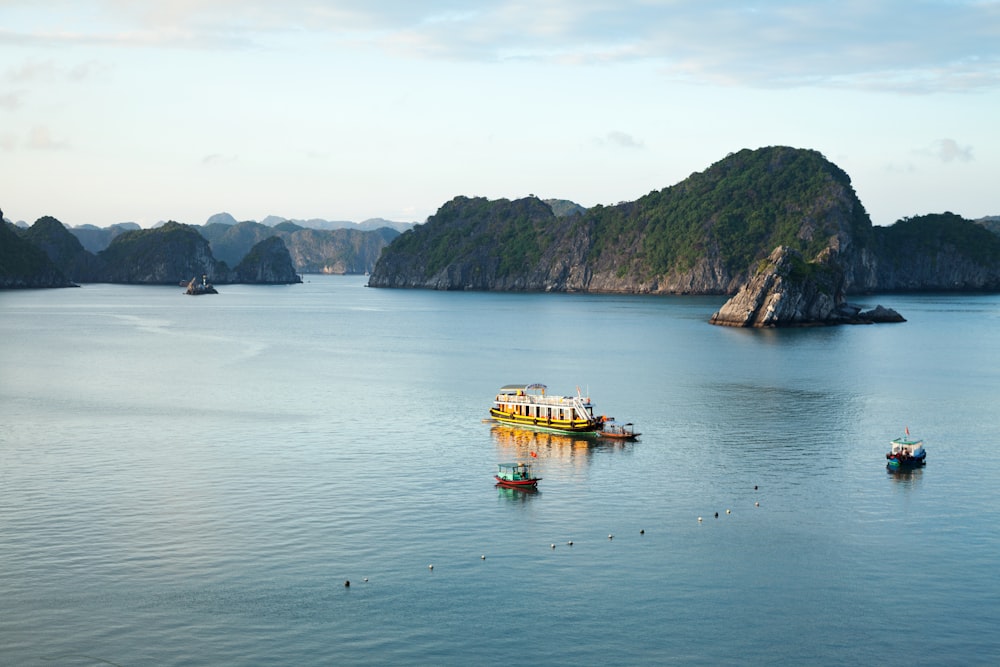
(152,110)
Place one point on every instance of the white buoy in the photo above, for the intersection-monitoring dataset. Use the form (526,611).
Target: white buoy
(552,546)
(365,580)
(610,536)
(756,504)
(699,519)
(483,557)
(430,567)
(729,511)
(570,543)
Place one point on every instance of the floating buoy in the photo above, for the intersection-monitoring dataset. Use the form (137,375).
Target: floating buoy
(729,511)
(642,531)
(756,504)
(754,487)
(430,567)
(552,546)
(610,536)
(483,557)
(699,519)
(347,584)
(570,543)
(716,515)
(365,580)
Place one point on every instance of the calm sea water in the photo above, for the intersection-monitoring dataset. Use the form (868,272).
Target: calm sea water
(191,481)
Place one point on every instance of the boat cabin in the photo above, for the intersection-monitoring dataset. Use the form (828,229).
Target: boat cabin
(515,472)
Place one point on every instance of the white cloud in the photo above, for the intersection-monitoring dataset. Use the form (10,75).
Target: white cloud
(622,139)
(888,45)
(217,158)
(948,150)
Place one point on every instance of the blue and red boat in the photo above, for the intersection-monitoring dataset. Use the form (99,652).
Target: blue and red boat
(906,453)
(516,476)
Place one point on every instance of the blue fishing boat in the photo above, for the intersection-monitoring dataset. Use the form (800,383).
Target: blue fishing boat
(906,453)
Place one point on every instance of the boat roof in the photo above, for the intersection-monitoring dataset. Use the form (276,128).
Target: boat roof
(514,464)
(514,388)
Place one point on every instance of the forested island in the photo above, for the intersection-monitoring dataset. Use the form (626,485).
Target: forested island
(709,234)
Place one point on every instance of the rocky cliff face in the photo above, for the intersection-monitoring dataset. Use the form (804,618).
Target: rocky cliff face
(786,290)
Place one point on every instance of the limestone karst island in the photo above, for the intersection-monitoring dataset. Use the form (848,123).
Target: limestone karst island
(780,230)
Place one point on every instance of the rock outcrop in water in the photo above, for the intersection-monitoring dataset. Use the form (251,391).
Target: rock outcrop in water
(786,290)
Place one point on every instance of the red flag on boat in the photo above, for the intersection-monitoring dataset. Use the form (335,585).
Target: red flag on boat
(534,455)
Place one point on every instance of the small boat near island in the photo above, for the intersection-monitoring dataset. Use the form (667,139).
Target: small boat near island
(906,453)
(195,288)
(614,430)
(528,405)
(516,476)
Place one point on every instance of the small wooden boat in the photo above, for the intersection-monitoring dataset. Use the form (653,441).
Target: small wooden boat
(516,476)
(906,453)
(612,429)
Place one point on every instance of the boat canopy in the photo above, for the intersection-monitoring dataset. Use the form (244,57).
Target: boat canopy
(514,466)
(521,388)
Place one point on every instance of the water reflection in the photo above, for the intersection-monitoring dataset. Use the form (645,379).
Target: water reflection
(521,444)
(906,477)
(522,495)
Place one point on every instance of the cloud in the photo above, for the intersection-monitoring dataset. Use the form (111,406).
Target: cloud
(217,158)
(948,150)
(46,71)
(896,45)
(621,139)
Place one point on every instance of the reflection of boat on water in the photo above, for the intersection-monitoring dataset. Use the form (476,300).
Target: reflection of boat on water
(612,429)
(517,494)
(522,441)
(904,476)
(906,453)
(528,406)
(516,475)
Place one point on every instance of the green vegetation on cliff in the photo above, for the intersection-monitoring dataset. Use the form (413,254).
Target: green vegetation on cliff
(929,234)
(504,236)
(164,255)
(741,208)
(24,265)
(700,236)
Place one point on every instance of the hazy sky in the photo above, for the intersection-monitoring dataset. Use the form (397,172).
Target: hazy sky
(148,110)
